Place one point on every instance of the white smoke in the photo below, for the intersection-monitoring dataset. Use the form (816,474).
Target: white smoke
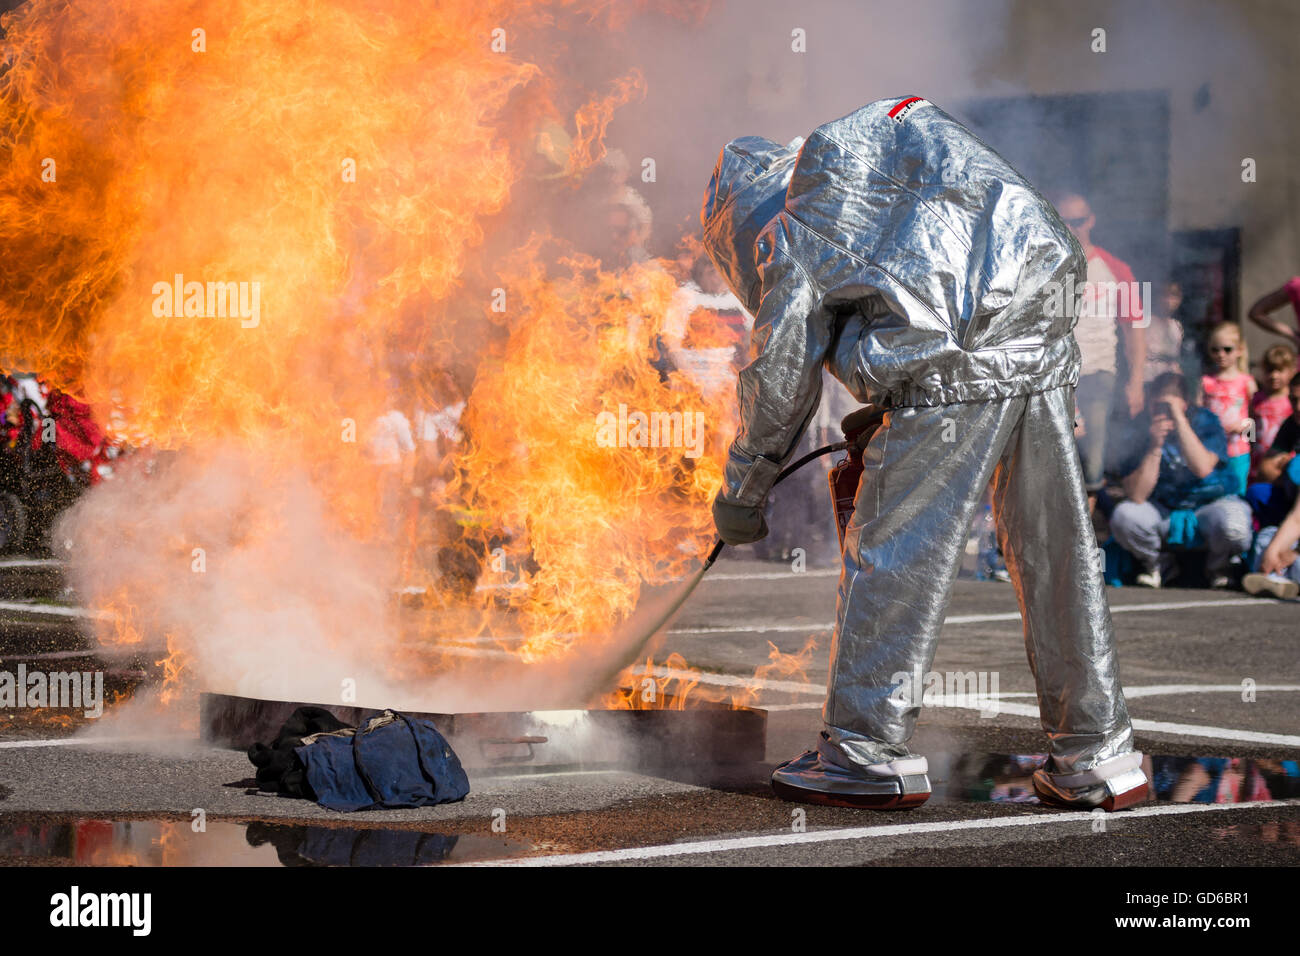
(242,565)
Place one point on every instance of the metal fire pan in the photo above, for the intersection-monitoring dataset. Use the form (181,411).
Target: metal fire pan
(702,733)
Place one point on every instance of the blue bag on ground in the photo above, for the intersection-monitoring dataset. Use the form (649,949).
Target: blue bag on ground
(390,762)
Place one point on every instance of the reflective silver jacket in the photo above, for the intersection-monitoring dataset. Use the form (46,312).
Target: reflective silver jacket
(901,252)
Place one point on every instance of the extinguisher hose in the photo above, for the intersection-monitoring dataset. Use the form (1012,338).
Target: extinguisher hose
(786,472)
(635,646)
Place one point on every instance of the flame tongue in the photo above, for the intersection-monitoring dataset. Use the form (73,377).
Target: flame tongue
(245,231)
(602,471)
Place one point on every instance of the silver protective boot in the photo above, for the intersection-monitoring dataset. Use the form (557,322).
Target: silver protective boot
(896,249)
(1111,785)
(838,777)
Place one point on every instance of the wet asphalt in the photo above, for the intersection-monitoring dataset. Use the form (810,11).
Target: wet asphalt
(1184,666)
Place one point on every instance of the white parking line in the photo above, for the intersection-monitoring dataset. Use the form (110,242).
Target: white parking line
(1004,706)
(87,741)
(982,703)
(765,627)
(775,575)
(865,833)
(57,610)
(125,652)
(489,777)
(1160,726)
(1160,690)
(809,628)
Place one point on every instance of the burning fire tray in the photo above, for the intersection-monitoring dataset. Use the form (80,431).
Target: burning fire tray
(703,733)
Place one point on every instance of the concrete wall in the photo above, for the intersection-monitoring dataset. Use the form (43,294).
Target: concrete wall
(1228,69)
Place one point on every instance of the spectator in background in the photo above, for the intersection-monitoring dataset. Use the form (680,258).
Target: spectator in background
(438,433)
(1279,474)
(392,451)
(1106,320)
(629,216)
(1260,312)
(1271,405)
(706,332)
(1275,565)
(1164,336)
(1227,391)
(1182,485)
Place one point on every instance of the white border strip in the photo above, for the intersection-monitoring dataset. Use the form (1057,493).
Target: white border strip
(8,564)
(57,610)
(864,833)
(980,618)
(775,575)
(87,741)
(982,704)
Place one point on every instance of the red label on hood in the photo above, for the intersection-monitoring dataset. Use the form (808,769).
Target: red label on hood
(900,111)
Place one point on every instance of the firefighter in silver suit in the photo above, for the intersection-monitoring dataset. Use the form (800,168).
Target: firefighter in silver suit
(896,249)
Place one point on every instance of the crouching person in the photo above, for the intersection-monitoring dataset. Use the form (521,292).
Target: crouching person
(1181,488)
(1275,564)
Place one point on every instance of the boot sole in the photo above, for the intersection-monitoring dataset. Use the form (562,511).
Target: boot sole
(1126,799)
(1258,583)
(1112,803)
(876,801)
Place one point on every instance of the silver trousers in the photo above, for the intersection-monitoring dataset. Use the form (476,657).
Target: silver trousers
(926,470)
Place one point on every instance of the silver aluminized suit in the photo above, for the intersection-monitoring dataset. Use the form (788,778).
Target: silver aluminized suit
(920,267)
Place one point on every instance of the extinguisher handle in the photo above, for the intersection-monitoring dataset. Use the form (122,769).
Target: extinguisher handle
(786,472)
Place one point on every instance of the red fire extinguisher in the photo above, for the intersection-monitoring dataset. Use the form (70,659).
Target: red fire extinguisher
(846,474)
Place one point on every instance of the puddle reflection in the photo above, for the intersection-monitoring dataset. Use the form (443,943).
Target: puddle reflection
(92,842)
(1005,778)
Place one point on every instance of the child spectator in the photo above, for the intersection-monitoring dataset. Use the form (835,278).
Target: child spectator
(1273,495)
(1271,405)
(1165,336)
(1228,391)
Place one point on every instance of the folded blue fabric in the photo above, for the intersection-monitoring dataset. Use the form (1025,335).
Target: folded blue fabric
(1182,529)
(1120,566)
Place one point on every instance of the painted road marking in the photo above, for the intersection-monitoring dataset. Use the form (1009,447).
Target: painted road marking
(775,575)
(981,703)
(88,741)
(1159,690)
(960,703)
(866,833)
(58,610)
(970,618)
(998,705)
(124,652)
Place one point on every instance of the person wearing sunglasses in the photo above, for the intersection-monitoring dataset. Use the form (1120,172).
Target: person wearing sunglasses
(1227,391)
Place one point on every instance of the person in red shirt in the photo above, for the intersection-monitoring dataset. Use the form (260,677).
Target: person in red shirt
(1271,405)
(1111,321)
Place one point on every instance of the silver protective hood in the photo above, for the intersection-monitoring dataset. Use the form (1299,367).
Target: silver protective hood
(747,190)
(901,252)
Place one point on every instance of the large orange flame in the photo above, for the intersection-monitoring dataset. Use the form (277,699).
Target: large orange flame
(260,226)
